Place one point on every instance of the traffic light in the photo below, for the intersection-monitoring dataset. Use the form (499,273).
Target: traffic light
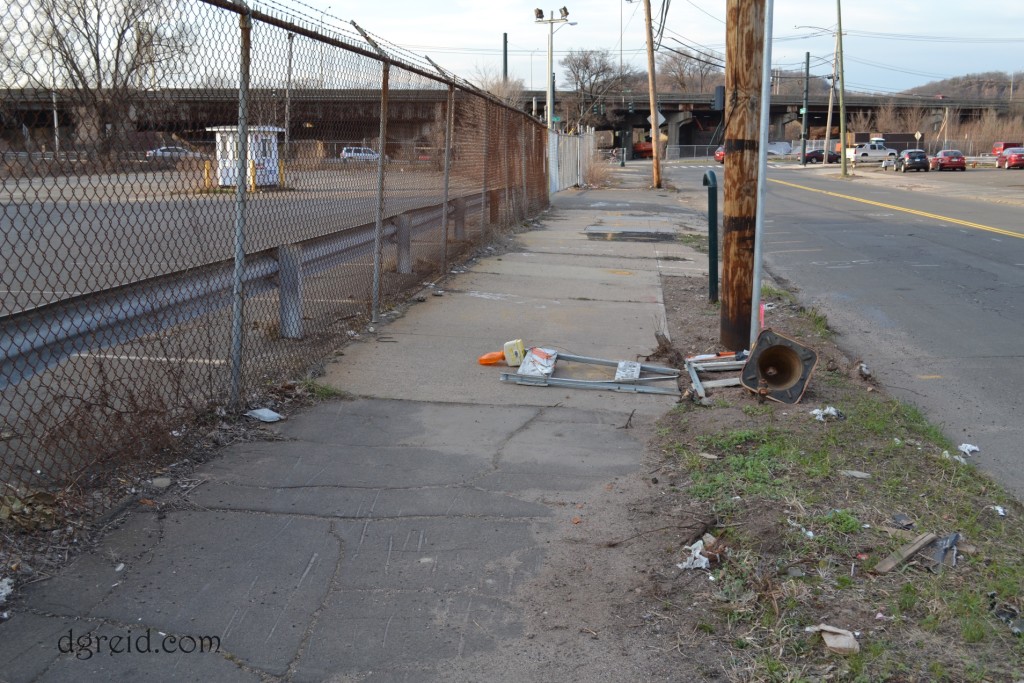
(594,109)
(631,106)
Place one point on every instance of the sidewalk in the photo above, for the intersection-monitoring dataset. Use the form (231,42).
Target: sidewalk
(392,536)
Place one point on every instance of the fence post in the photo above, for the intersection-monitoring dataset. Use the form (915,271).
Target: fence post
(289,273)
(449,122)
(378,232)
(505,219)
(403,237)
(485,199)
(245,27)
(522,157)
(553,171)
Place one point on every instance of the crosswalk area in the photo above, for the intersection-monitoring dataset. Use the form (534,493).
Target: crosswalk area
(713,164)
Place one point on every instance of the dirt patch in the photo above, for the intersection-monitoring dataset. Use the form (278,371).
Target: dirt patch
(796,535)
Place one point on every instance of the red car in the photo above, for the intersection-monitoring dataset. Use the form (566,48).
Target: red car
(720,154)
(816,156)
(948,159)
(1011,157)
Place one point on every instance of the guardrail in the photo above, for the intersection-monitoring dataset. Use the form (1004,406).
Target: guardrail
(35,340)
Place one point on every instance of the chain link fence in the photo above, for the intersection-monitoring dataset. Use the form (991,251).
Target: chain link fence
(202,199)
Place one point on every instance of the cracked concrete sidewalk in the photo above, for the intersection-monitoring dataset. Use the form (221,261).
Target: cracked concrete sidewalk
(388,537)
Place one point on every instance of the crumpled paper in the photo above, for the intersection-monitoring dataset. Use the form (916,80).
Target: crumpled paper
(823,414)
(696,560)
(838,640)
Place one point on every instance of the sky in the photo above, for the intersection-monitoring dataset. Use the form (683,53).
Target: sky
(888,45)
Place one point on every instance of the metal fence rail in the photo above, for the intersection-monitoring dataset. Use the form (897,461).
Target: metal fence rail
(211,206)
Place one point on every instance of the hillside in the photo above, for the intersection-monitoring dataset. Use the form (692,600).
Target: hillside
(988,85)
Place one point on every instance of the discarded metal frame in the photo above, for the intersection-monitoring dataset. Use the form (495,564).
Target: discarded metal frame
(698,364)
(538,367)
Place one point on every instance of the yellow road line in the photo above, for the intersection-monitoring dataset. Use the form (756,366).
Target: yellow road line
(924,214)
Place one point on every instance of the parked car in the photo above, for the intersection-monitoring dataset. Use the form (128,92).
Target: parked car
(1011,157)
(172,154)
(870,151)
(998,147)
(815,156)
(916,159)
(359,154)
(949,159)
(720,154)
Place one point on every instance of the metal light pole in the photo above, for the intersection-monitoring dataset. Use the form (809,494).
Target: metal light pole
(620,35)
(803,123)
(562,19)
(831,96)
(550,100)
(828,117)
(842,89)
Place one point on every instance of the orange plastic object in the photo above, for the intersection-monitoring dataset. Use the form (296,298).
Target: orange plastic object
(492,358)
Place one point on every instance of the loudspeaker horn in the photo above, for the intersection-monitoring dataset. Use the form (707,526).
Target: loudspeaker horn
(778,368)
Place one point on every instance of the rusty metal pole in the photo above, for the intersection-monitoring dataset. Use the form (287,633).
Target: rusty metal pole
(449,124)
(652,87)
(743,55)
(382,158)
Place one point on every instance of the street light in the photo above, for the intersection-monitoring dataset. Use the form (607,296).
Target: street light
(562,19)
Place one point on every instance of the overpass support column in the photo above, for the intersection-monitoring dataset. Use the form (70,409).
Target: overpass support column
(778,128)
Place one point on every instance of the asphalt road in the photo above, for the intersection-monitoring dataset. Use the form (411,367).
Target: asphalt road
(922,276)
(64,236)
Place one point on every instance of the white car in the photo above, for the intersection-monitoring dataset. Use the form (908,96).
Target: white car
(359,154)
(871,151)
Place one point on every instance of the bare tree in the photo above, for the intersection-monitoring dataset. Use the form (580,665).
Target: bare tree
(98,52)
(508,91)
(674,70)
(687,71)
(593,77)
(862,121)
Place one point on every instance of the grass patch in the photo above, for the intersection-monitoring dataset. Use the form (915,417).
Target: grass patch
(694,240)
(804,539)
(321,392)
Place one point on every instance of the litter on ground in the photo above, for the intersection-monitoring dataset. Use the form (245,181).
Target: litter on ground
(838,640)
(824,414)
(264,415)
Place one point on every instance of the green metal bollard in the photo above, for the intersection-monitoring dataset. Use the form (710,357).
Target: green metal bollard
(711,183)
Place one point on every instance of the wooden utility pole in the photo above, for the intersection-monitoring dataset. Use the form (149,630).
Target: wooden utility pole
(652,87)
(744,48)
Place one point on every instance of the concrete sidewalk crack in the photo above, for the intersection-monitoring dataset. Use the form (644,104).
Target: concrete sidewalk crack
(333,586)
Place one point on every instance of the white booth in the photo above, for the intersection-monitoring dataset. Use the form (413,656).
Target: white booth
(262,155)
